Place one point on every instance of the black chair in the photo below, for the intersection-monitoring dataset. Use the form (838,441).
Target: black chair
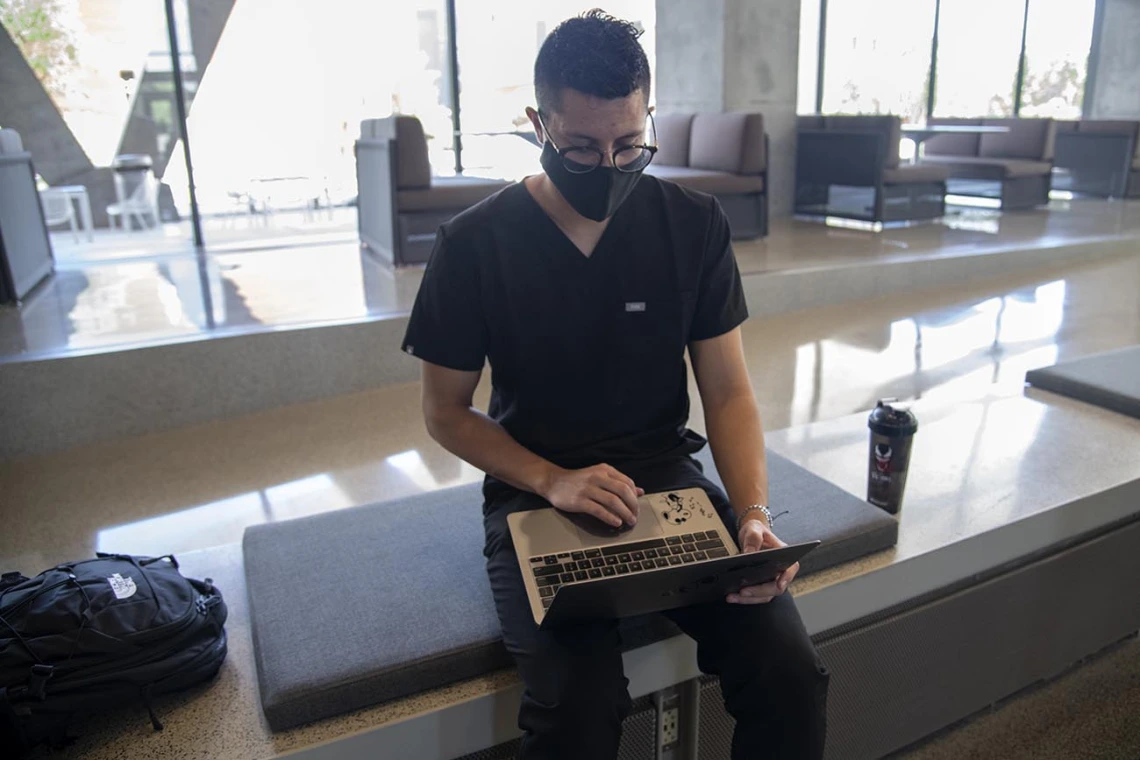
(1098,158)
(848,166)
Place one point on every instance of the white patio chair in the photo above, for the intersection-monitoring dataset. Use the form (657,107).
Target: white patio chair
(141,204)
(59,209)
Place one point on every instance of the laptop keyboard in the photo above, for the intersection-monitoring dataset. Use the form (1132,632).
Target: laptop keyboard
(553,571)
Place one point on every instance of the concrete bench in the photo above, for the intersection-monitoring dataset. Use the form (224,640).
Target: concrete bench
(363,605)
(1001,511)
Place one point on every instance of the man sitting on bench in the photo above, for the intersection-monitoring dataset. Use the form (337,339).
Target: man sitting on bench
(583,286)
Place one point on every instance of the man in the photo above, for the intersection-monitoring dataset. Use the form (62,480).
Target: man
(583,286)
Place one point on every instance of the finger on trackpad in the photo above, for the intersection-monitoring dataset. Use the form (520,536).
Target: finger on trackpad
(592,529)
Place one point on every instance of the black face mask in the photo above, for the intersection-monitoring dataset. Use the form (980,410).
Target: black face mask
(595,195)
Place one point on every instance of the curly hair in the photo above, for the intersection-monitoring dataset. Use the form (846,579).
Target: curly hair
(594,53)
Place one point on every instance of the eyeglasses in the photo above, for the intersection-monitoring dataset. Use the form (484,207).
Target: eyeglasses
(583,160)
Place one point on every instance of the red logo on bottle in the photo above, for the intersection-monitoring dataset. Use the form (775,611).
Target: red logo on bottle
(883,457)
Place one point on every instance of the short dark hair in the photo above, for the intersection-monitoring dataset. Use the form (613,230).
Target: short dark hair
(594,53)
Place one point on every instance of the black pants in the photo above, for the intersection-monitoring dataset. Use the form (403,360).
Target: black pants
(575,695)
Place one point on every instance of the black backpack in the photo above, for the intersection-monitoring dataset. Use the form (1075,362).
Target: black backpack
(102,633)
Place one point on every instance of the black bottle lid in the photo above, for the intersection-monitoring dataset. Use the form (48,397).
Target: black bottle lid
(891,422)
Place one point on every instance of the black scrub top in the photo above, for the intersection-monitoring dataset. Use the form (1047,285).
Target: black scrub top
(586,353)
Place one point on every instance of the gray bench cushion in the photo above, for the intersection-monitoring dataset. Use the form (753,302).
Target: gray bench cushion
(362,605)
(1110,380)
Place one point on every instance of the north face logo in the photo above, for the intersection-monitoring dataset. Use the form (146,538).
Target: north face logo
(123,587)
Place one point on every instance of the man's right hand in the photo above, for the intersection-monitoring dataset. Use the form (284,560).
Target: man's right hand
(600,491)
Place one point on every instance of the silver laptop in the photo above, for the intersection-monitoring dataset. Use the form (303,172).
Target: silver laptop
(577,568)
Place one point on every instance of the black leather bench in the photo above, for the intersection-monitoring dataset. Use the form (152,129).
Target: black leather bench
(367,604)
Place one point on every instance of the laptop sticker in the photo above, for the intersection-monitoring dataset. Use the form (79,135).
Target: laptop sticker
(678,512)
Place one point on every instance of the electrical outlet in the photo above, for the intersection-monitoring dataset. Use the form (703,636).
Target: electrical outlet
(670,728)
(668,702)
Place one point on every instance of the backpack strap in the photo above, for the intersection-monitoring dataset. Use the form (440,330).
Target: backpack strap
(38,679)
(144,692)
(31,652)
(151,560)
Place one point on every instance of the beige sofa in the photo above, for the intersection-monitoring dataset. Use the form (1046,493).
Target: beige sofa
(722,154)
(400,205)
(1019,161)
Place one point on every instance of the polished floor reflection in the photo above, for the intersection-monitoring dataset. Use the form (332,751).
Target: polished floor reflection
(147,301)
(116,294)
(978,464)
(231,232)
(199,487)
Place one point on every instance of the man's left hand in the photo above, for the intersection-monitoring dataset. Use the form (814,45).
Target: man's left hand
(754,536)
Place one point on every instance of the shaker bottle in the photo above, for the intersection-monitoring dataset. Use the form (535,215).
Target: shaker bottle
(892,431)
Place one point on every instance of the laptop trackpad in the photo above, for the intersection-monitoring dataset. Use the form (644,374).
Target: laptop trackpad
(594,532)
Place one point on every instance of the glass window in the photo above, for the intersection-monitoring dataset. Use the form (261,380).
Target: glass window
(877,57)
(103,88)
(105,66)
(1057,42)
(979,42)
(278,108)
(807,79)
(497,79)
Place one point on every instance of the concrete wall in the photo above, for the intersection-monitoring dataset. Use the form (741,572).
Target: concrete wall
(762,44)
(1116,86)
(690,56)
(26,107)
(207,20)
(52,404)
(735,55)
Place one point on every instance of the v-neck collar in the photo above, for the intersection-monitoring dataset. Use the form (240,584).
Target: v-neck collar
(562,239)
